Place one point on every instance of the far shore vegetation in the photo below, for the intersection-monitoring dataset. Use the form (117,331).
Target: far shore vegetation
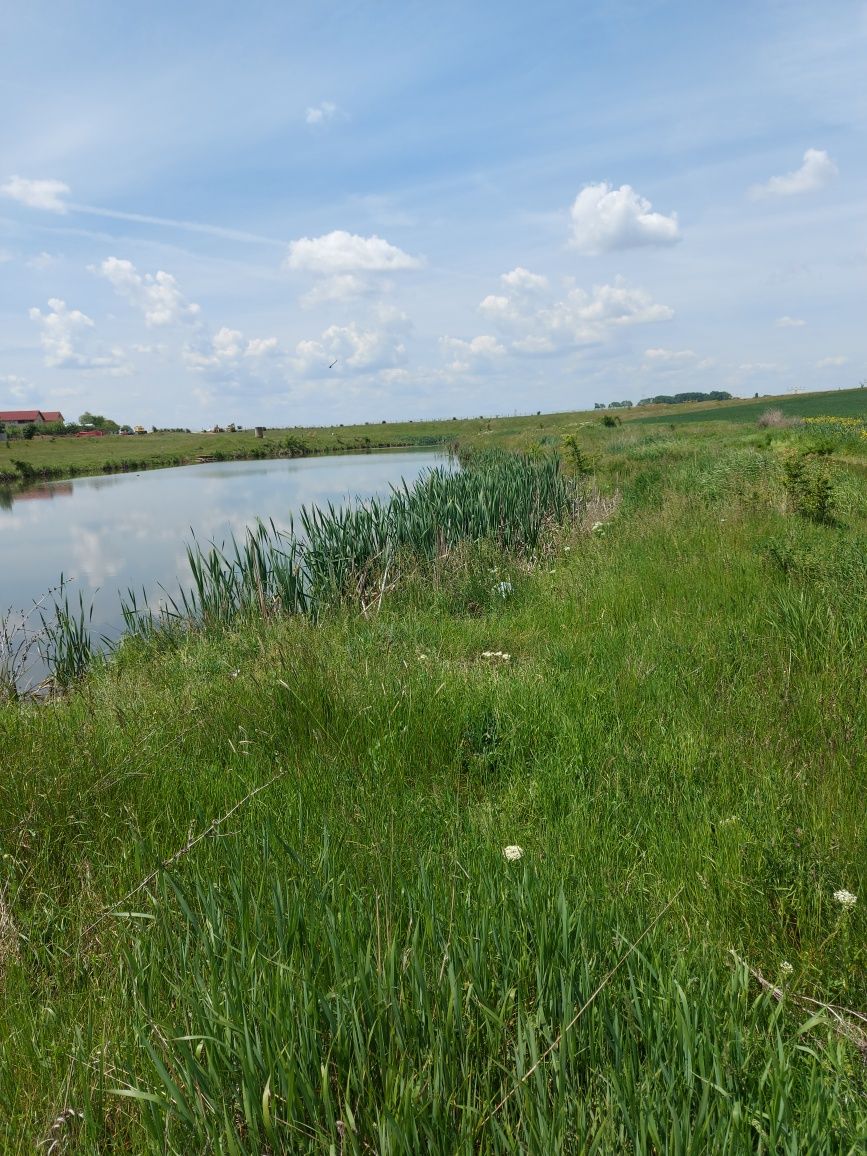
(41,453)
(524,813)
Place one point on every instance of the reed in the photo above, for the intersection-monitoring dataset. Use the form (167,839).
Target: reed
(343,552)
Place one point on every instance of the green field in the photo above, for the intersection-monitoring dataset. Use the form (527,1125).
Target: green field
(839,403)
(254,896)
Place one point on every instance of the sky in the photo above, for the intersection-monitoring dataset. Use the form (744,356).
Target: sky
(318,212)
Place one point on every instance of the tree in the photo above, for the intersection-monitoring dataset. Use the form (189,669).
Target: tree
(97,421)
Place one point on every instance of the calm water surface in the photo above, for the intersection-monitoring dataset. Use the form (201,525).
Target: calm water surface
(124,531)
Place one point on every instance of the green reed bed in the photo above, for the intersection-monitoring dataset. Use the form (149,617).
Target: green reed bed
(352,551)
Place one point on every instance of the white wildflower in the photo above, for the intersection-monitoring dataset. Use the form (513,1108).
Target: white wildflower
(496,654)
(512,853)
(598,528)
(504,589)
(786,968)
(845,898)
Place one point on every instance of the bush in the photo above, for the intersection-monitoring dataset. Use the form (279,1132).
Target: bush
(810,489)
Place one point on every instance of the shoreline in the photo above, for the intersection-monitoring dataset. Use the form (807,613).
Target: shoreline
(18,483)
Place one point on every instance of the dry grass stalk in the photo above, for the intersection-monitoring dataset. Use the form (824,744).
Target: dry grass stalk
(840,1018)
(8,934)
(185,850)
(609,976)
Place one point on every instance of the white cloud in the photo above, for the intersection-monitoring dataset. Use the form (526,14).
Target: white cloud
(468,354)
(42,261)
(789,323)
(604,218)
(15,386)
(37,194)
(5,256)
(540,323)
(157,294)
(227,349)
(261,346)
(320,113)
(357,348)
(64,331)
(816,170)
(342,287)
(341,252)
(522,279)
(666,355)
(832,362)
(671,360)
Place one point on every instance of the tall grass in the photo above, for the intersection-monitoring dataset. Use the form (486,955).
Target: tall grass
(492,1014)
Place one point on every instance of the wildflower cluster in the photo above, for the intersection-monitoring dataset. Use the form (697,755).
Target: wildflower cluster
(496,654)
(838,428)
(845,898)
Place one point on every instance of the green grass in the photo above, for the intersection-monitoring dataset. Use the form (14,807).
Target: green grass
(348,963)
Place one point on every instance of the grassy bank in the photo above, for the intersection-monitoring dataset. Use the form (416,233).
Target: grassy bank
(44,458)
(254,891)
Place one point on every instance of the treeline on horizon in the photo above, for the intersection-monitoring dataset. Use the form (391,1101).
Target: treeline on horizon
(668,399)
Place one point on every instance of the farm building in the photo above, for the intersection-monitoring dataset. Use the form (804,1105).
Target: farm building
(30,416)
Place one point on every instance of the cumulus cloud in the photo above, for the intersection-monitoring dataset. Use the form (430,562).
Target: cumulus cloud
(65,340)
(816,170)
(356,347)
(37,194)
(261,346)
(228,349)
(468,355)
(341,252)
(343,287)
(156,294)
(605,218)
(832,362)
(539,322)
(320,113)
(522,280)
(789,323)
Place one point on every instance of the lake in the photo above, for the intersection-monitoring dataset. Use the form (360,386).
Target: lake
(121,531)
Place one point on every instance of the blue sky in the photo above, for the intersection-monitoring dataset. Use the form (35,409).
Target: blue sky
(322,212)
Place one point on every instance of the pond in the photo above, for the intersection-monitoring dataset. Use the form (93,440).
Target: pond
(106,535)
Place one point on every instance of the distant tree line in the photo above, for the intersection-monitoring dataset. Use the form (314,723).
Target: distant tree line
(679,398)
(668,399)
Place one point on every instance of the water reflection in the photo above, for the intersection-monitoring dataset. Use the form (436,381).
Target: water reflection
(129,531)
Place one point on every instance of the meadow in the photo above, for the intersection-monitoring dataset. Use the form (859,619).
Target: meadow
(547,836)
(44,458)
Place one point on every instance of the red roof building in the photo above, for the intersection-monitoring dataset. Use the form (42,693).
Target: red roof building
(29,416)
